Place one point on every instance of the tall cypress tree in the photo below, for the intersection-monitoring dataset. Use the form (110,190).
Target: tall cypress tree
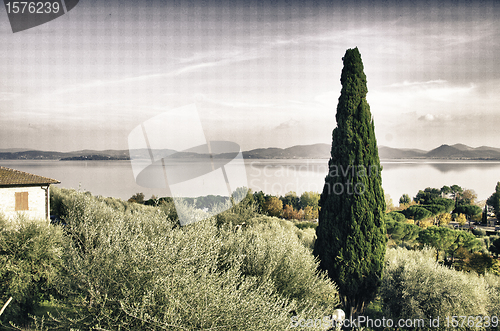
(351,235)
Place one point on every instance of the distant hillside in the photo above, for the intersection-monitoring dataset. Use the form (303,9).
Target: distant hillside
(316,151)
(13,150)
(464,152)
(397,153)
(32,155)
(94,157)
(77,155)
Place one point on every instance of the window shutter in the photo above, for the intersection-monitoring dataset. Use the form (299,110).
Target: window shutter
(22,201)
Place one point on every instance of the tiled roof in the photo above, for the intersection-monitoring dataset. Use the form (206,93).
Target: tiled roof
(12,177)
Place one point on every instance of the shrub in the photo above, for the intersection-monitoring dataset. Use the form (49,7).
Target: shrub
(416,212)
(479,232)
(397,216)
(416,287)
(435,209)
(30,252)
(402,233)
(63,199)
(494,247)
(306,225)
(448,204)
(493,282)
(140,271)
(307,237)
(237,213)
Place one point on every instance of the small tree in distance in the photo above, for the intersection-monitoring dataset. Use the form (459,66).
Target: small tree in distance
(484,215)
(461,219)
(138,198)
(405,199)
(468,210)
(273,206)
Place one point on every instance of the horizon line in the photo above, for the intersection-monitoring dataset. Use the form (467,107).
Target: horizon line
(20,149)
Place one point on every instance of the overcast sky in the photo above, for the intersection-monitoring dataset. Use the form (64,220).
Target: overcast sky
(261,75)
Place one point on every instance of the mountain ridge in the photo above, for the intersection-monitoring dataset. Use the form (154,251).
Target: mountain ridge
(314,151)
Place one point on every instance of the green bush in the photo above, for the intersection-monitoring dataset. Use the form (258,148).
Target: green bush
(63,199)
(448,204)
(141,271)
(236,213)
(307,237)
(30,252)
(414,286)
(416,213)
(479,232)
(396,216)
(306,225)
(402,234)
(435,209)
(493,282)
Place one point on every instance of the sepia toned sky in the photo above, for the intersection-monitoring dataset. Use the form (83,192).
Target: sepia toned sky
(261,73)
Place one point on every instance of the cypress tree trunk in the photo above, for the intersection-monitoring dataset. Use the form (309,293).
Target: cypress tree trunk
(351,235)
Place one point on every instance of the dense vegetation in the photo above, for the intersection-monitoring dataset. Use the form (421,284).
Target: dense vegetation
(124,266)
(116,265)
(290,206)
(30,260)
(415,287)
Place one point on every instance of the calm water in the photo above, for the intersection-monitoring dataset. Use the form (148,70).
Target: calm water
(115,178)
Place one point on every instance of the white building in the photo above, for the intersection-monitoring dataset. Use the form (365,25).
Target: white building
(22,192)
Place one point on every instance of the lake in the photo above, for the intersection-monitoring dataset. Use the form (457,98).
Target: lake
(277,177)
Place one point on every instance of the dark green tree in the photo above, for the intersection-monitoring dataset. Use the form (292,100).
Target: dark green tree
(260,200)
(456,191)
(448,204)
(484,216)
(426,196)
(478,262)
(494,201)
(435,209)
(405,199)
(401,232)
(465,240)
(396,216)
(138,198)
(445,190)
(468,210)
(438,237)
(416,213)
(495,247)
(291,199)
(351,235)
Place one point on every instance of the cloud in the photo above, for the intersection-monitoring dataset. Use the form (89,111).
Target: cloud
(437,119)
(427,83)
(427,117)
(210,55)
(437,95)
(287,125)
(232,104)
(197,62)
